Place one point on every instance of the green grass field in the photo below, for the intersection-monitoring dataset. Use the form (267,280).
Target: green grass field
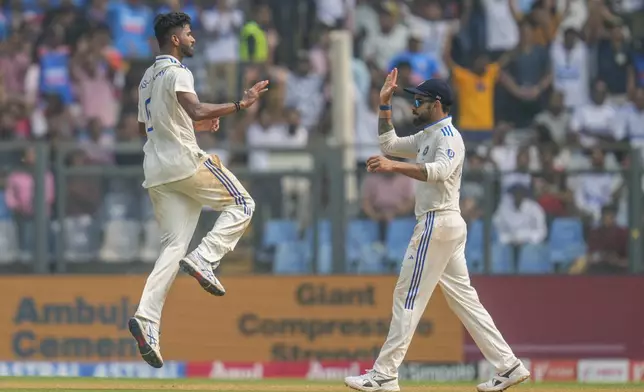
(39,384)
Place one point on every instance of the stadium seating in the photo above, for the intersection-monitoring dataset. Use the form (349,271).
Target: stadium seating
(8,234)
(122,230)
(533,259)
(474,247)
(566,241)
(291,258)
(278,231)
(399,232)
(81,238)
(502,259)
(361,235)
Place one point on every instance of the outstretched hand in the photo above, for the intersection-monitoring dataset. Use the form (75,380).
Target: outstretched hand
(388,88)
(252,94)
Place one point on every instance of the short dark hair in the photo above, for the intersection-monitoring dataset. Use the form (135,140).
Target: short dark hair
(165,23)
(446,108)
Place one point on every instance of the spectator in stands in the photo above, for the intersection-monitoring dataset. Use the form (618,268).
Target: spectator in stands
(98,145)
(258,37)
(638,62)
(221,27)
(262,135)
(51,70)
(185,6)
(615,64)
(127,136)
(391,38)
(319,53)
(544,18)
(430,27)
(334,13)
(520,220)
(304,91)
(423,65)
(97,12)
(549,185)
(472,189)
(607,246)
(403,117)
(502,33)
(594,123)
(570,68)
(84,191)
(631,122)
(14,62)
(386,196)
(527,78)
(93,85)
(475,93)
(53,117)
(520,174)
(131,23)
(596,189)
(552,124)
(20,197)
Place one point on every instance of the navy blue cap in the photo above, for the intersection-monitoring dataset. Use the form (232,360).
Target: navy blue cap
(434,88)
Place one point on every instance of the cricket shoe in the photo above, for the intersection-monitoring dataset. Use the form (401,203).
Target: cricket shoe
(146,334)
(372,381)
(504,380)
(200,269)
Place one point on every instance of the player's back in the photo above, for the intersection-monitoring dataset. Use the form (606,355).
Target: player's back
(171,151)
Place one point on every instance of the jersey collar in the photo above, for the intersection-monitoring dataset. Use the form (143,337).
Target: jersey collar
(167,57)
(438,124)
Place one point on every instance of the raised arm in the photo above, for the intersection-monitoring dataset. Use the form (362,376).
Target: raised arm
(205,111)
(390,144)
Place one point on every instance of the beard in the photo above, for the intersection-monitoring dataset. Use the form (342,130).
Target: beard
(187,50)
(421,119)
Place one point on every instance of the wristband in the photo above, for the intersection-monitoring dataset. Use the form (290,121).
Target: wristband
(385,107)
(237,106)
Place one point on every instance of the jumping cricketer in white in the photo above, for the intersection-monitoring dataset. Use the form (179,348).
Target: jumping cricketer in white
(181,178)
(436,252)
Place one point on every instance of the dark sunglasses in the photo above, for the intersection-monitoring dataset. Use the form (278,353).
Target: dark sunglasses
(419,102)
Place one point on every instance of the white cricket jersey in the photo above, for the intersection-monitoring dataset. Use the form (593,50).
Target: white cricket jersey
(441,149)
(571,74)
(171,151)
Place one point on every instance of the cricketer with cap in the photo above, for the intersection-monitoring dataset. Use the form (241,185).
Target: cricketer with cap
(436,252)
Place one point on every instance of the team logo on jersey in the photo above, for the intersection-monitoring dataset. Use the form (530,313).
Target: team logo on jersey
(425,150)
(450,153)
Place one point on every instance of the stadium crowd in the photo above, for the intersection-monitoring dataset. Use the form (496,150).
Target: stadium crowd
(550,100)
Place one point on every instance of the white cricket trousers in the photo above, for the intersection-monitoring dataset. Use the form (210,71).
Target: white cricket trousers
(177,207)
(436,255)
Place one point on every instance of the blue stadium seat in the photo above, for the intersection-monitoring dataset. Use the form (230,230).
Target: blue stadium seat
(372,259)
(361,233)
(119,206)
(566,240)
(291,258)
(5,213)
(399,232)
(325,259)
(278,231)
(533,259)
(474,247)
(502,259)
(324,232)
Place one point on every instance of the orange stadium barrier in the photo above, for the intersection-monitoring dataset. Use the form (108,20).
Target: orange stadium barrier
(84,318)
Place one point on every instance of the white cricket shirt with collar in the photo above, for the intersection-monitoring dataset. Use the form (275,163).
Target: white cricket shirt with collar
(171,150)
(440,147)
